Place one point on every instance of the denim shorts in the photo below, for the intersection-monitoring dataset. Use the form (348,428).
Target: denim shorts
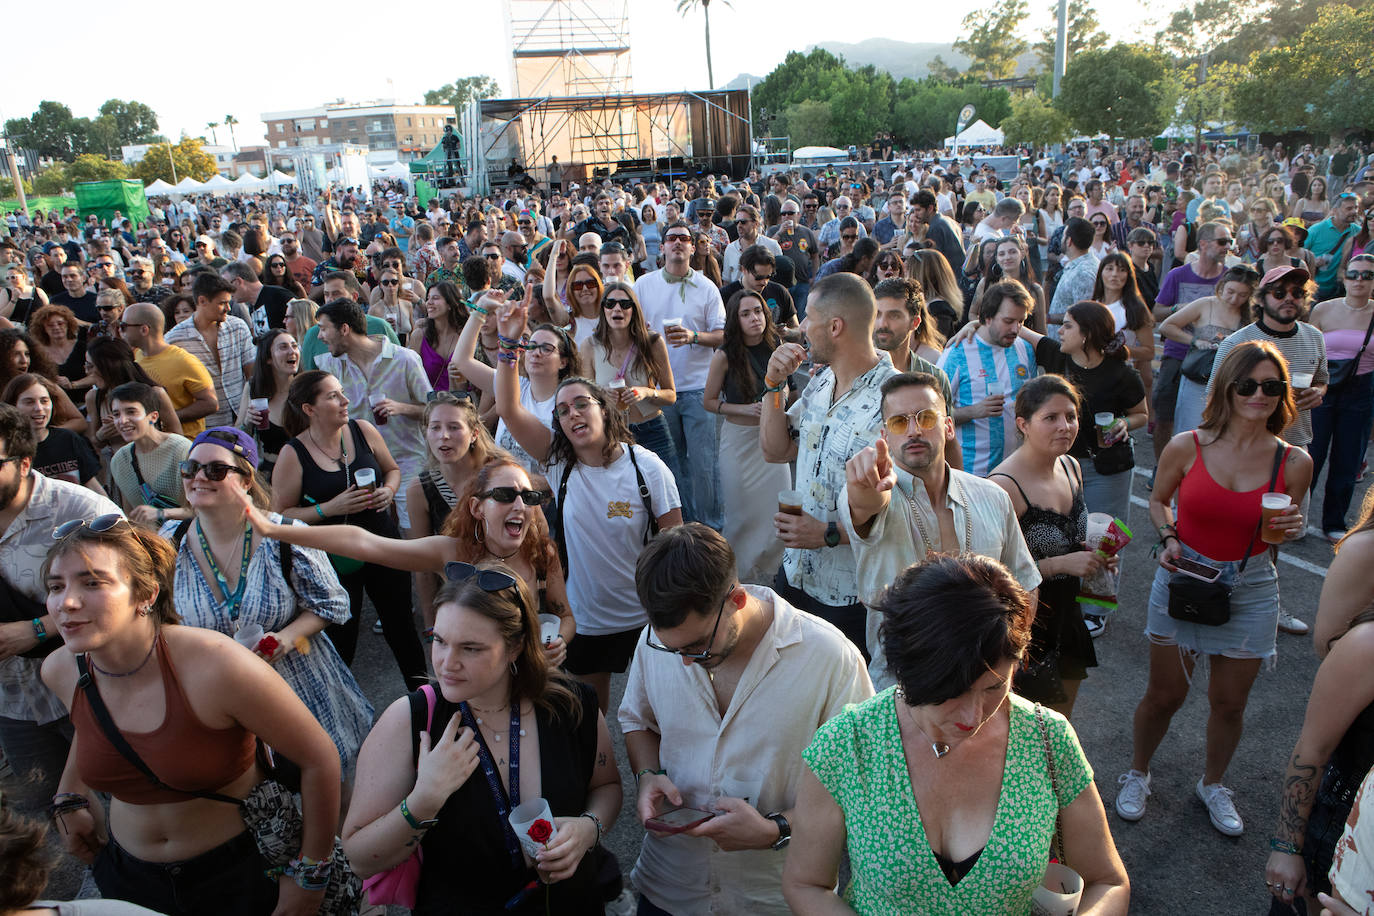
(1252,629)
(229,880)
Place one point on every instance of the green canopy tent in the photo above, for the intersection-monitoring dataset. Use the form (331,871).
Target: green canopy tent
(46,204)
(104,197)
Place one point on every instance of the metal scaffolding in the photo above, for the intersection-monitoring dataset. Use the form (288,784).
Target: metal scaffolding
(569,47)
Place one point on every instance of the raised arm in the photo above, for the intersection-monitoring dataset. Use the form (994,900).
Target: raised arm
(464,351)
(528,430)
(558,314)
(427,554)
(775,432)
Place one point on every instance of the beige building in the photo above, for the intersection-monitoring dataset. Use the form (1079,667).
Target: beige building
(407,131)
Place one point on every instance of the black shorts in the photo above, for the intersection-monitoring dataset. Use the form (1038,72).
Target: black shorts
(599,654)
(1164,397)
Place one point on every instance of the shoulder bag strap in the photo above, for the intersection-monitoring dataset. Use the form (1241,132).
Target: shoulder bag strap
(644,496)
(1273,482)
(116,738)
(1364,346)
(428,692)
(1058,848)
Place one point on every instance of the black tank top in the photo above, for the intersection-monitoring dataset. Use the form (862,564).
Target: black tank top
(318,486)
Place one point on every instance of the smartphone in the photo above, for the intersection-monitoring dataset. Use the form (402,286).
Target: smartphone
(1203,571)
(678,820)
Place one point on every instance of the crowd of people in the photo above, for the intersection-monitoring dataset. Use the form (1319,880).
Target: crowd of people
(820,463)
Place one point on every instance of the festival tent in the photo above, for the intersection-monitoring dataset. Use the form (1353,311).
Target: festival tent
(249,182)
(160,187)
(219,185)
(103,198)
(979,133)
(281,177)
(189,185)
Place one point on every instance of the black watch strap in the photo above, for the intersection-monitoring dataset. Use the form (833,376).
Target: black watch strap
(784,830)
(832,535)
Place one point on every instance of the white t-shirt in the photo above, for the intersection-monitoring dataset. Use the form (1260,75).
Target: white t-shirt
(541,409)
(697,302)
(605,523)
(731,270)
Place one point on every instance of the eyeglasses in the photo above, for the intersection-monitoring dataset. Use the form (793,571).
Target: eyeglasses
(493,256)
(1359,274)
(546,349)
(98,525)
(5,461)
(618,304)
(1272,387)
(214,470)
(106,308)
(677,237)
(125,325)
(762,278)
(134,272)
(507,495)
(807,206)
(683,653)
(1297,293)
(391,282)
(926,420)
(1224,242)
(849,236)
(581,405)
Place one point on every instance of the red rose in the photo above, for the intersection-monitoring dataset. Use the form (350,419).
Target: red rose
(541,831)
(267,646)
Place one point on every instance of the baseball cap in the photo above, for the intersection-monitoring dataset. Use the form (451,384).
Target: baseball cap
(49,246)
(1281,273)
(232,438)
(206,241)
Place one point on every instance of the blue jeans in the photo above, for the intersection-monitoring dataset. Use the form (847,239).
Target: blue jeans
(799,294)
(647,908)
(1340,426)
(699,485)
(35,749)
(653,435)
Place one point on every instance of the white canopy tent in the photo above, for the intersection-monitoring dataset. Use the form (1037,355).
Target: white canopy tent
(160,187)
(280,177)
(189,185)
(979,133)
(220,185)
(249,182)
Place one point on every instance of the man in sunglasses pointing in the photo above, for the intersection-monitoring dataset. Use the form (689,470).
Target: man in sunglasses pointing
(904,501)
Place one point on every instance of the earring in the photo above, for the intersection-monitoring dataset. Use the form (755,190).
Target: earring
(479,533)
(513,669)
(145,610)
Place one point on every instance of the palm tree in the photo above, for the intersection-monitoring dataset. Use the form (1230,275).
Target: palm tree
(686,6)
(210,126)
(229,122)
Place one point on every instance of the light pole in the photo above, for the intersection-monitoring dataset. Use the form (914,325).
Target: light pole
(1061,45)
(172,161)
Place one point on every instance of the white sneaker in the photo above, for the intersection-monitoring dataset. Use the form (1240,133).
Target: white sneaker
(1096,624)
(1290,624)
(1221,808)
(1130,801)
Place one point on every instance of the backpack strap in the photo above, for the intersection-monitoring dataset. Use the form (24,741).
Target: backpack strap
(416,723)
(560,504)
(644,496)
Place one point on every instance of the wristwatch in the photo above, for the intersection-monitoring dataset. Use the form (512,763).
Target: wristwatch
(784,830)
(832,535)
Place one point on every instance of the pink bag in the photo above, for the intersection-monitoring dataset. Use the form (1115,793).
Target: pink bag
(398,884)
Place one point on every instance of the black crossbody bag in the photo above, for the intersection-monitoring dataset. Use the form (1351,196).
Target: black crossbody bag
(1209,603)
(1341,371)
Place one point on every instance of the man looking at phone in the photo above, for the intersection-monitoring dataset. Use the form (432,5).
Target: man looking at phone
(904,500)
(731,684)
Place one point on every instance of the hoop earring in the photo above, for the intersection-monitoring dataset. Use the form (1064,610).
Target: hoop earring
(479,533)
(513,669)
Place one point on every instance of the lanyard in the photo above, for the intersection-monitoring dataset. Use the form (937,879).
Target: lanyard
(504,801)
(967,546)
(234,598)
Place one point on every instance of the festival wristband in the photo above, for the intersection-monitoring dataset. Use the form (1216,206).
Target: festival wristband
(1279,845)
(478,309)
(39,631)
(414,821)
(650,771)
(600,831)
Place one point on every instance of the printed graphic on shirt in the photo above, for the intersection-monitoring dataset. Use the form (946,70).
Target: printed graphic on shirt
(618,508)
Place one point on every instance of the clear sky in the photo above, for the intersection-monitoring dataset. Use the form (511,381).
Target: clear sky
(247,60)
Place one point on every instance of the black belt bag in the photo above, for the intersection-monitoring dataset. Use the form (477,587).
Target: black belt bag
(1209,603)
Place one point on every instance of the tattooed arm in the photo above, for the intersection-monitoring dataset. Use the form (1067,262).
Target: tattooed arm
(1343,687)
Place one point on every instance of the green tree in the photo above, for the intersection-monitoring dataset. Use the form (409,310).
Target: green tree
(229,122)
(91,167)
(191,160)
(101,137)
(991,40)
(799,78)
(1035,123)
(1322,82)
(1083,33)
(7,188)
(939,70)
(925,112)
(52,181)
(135,122)
(50,132)
(1121,91)
(461,91)
(686,6)
(809,124)
(211,127)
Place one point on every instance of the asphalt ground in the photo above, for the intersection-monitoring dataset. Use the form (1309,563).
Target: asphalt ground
(1177,862)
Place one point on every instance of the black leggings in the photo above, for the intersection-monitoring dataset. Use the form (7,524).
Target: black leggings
(389,590)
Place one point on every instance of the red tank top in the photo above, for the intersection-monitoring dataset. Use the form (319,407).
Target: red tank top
(1216,522)
(182,751)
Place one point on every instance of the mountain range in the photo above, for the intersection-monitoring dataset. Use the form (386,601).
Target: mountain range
(900,58)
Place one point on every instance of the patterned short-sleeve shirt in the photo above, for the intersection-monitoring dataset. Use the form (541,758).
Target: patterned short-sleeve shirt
(857,756)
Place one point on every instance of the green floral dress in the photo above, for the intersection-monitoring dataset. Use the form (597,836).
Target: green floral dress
(858,757)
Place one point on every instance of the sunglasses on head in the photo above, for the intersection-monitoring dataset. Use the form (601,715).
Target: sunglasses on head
(214,470)
(1272,387)
(97,525)
(507,495)
(926,420)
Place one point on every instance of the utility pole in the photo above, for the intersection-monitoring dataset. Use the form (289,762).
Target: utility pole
(171,160)
(1061,45)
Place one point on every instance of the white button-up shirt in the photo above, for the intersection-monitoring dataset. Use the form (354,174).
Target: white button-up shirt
(23,548)
(801,674)
(984,523)
(229,367)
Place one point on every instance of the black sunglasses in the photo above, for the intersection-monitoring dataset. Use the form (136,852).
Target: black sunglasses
(622,304)
(98,525)
(1272,387)
(507,495)
(214,470)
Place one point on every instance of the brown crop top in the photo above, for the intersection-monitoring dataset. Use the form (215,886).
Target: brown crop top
(182,751)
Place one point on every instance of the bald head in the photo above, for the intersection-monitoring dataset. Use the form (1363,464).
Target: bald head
(145,313)
(589,242)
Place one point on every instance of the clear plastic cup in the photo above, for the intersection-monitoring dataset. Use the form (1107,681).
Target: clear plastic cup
(1098,524)
(365,478)
(1272,504)
(548,627)
(261,406)
(249,635)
